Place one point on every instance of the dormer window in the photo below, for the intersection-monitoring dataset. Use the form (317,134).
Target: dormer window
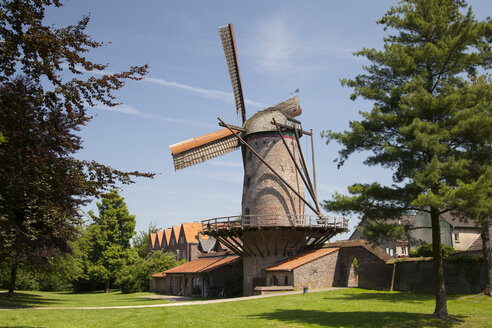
(181,240)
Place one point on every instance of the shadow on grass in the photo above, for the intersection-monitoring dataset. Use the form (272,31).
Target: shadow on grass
(358,319)
(25,300)
(389,297)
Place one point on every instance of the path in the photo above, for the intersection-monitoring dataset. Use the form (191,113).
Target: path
(222,300)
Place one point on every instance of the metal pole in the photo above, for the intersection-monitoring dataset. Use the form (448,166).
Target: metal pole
(314,167)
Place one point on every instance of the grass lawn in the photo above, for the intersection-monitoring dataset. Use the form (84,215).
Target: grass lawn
(338,308)
(68,299)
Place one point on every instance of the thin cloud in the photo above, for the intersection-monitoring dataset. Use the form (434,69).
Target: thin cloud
(206,93)
(227,97)
(127,109)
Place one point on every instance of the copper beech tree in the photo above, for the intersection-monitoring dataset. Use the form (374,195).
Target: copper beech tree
(430,90)
(45,90)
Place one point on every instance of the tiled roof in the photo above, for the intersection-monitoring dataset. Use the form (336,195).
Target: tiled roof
(152,240)
(457,220)
(175,231)
(205,264)
(476,246)
(167,235)
(160,235)
(191,231)
(376,251)
(298,260)
(159,275)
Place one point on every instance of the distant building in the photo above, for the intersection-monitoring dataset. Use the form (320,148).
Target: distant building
(456,232)
(185,240)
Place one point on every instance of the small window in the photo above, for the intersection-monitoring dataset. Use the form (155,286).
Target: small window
(173,242)
(404,250)
(286,281)
(391,251)
(456,237)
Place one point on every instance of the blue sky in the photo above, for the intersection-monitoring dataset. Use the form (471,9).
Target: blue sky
(282,46)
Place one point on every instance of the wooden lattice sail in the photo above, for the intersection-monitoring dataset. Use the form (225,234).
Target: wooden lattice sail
(203,148)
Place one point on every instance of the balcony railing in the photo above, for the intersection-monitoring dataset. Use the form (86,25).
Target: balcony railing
(258,221)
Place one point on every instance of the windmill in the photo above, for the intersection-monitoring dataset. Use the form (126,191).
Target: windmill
(273,224)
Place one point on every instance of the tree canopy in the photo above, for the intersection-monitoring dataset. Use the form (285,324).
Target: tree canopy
(428,86)
(46,88)
(106,242)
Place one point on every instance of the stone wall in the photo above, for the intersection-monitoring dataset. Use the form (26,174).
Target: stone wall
(316,274)
(460,276)
(373,273)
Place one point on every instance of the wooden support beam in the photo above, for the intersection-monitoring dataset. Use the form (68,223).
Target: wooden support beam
(314,167)
(271,169)
(303,163)
(308,187)
(288,127)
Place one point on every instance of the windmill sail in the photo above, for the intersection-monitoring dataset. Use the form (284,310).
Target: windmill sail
(229,44)
(203,148)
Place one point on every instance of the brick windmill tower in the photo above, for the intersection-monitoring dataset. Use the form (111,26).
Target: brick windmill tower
(273,224)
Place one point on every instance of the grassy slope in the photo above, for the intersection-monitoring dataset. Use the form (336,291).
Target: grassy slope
(69,299)
(340,308)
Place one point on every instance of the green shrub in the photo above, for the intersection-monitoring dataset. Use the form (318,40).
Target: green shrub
(426,251)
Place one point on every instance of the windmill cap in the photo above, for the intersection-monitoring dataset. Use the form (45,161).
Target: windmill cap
(282,113)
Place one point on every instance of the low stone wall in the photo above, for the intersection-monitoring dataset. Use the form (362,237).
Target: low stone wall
(462,275)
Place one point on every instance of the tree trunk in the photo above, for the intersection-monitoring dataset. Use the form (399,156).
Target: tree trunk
(441,310)
(107,289)
(13,276)
(487,257)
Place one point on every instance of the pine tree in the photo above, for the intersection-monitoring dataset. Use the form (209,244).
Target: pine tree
(106,243)
(421,83)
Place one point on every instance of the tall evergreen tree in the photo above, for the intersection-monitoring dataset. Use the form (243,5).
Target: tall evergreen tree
(420,84)
(106,242)
(41,183)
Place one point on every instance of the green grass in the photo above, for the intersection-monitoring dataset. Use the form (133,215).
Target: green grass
(69,299)
(339,308)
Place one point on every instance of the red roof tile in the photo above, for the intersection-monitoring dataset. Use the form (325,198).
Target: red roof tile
(159,275)
(190,231)
(205,264)
(160,235)
(298,260)
(152,240)
(167,235)
(175,232)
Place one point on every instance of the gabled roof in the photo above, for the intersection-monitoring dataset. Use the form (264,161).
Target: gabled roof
(476,246)
(160,235)
(376,251)
(298,260)
(190,231)
(175,231)
(167,235)
(152,240)
(203,264)
(457,220)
